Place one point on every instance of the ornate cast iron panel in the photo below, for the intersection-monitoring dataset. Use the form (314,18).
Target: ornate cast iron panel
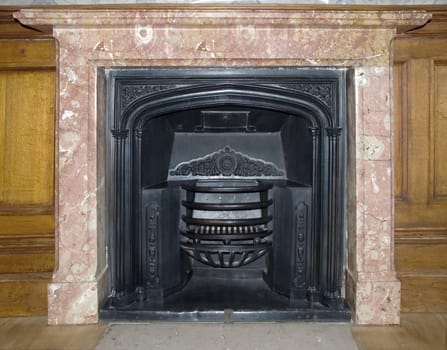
(226,162)
(304,108)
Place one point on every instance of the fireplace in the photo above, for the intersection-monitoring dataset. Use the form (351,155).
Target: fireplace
(91,41)
(226,175)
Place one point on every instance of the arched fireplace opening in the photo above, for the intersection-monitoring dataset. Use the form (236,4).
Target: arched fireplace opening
(226,192)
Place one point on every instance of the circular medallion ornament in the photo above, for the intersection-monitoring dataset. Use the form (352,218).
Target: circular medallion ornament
(226,164)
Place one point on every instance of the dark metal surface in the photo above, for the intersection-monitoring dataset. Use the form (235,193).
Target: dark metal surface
(297,314)
(293,122)
(238,234)
(220,300)
(227,162)
(247,240)
(232,186)
(227,222)
(225,121)
(227,206)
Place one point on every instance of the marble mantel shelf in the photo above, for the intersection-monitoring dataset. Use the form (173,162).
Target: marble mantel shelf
(168,35)
(45,19)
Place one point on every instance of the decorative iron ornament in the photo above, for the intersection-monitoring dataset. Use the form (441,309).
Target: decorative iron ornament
(152,273)
(322,91)
(226,162)
(120,134)
(131,93)
(300,254)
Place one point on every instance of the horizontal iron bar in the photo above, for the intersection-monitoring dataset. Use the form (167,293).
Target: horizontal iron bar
(227,206)
(226,222)
(233,248)
(192,187)
(220,237)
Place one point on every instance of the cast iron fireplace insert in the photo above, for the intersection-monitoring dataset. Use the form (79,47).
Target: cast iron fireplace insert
(226,193)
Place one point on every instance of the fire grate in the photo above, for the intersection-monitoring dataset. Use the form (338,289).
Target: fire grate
(226,221)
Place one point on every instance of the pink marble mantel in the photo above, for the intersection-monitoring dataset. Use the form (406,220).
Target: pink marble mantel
(221,36)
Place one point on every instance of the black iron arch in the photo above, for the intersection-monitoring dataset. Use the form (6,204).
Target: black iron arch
(166,102)
(139,96)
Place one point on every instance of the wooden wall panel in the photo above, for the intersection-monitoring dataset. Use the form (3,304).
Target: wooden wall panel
(421,255)
(425,164)
(26,243)
(27,114)
(420,105)
(439,123)
(27,138)
(400,74)
(423,292)
(23,53)
(24,294)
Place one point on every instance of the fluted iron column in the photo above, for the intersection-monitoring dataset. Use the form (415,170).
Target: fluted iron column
(123,269)
(313,243)
(334,247)
(138,243)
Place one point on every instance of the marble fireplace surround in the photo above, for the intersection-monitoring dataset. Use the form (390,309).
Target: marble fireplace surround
(231,35)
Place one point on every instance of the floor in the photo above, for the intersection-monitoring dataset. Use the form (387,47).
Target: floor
(228,336)
(418,331)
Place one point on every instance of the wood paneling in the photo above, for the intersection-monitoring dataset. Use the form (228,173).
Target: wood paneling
(27,113)
(424,292)
(421,265)
(27,138)
(23,294)
(439,122)
(420,135)
(24,53)
(400,74)
(422,254)
(26,243)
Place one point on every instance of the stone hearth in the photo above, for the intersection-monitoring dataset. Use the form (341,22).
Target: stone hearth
(238,36)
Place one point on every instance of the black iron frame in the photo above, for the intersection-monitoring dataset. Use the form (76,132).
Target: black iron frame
(135,95)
